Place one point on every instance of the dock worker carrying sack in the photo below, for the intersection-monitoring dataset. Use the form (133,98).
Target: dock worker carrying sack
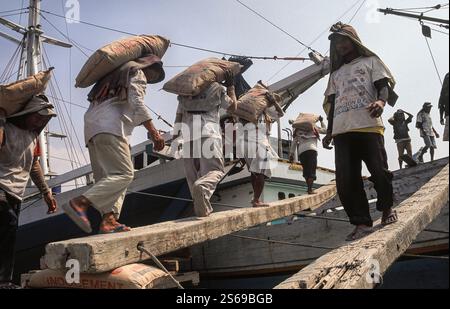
(198,77)
(252,104)
(305,122)
(15,96)
(112,56)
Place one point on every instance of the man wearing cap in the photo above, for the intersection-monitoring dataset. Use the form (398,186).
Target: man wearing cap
(401,133)
(360,86)
(425,125)
(18,140)
(117,107)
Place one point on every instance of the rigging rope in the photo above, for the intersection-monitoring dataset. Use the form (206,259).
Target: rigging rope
(10,11)
(181,199)
(314,41)
(276,26)
(172,43)
(434,61)
(7,73)
(70,121)
(67,38)
(142,249)
(288,243)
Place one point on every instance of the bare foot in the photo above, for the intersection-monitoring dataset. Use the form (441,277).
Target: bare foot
(259,204)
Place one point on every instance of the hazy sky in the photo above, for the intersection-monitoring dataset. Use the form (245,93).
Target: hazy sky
(227,26)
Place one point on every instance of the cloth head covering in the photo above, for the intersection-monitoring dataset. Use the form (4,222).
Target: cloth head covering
(38,104)
(427,104)
(116,83)
(341,29)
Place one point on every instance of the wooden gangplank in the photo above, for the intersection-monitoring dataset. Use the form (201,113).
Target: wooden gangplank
(103,253)
(362,263)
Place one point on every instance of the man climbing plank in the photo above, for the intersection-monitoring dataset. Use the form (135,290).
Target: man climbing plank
(117,107)
(198,122)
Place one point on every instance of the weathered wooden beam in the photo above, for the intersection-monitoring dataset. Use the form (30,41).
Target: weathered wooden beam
(102,253)
(351,266)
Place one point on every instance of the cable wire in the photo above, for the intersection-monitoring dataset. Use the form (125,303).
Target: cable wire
(276,26)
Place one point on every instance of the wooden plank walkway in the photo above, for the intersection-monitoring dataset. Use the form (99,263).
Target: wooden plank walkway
(102,253)
(351,266)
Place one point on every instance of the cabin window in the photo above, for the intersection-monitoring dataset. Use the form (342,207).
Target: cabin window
(291,195)
(281,196)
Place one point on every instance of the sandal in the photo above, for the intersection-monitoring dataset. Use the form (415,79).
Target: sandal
(391,219)
(80,218)
(358,233)
(118,229)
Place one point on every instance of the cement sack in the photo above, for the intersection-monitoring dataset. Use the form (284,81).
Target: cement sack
(195,79)
(133,276)
(15,96)
(112,56)
(305,122)
(252,104)
(207,101)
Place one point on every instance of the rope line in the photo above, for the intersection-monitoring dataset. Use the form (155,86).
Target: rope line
(172,43)
(282,242)
(142,249)
(276,26)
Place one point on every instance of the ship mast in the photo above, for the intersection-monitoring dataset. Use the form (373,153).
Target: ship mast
(420,17)
(31,60)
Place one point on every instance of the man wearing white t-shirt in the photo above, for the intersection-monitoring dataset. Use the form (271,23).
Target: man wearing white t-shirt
(359,88)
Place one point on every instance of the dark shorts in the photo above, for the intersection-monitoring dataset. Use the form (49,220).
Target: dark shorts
(308,159)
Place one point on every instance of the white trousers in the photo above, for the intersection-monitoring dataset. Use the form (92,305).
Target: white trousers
(113,172)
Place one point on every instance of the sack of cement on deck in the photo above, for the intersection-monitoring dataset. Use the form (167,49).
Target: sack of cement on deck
(305,122)
(110,57)
(15,96)
(252,104)
(195,79)
(133,276)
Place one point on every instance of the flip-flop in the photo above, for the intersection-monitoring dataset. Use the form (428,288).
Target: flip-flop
(391,219)
(78,217)
(118,229)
